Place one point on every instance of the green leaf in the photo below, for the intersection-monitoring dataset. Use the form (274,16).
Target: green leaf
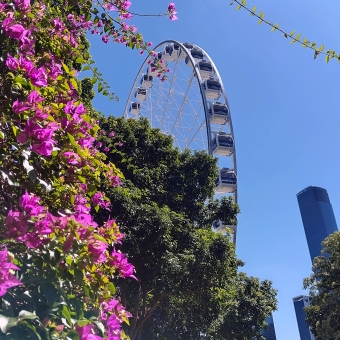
(24,314)
(80,60)
(100,87)
(327,58)
(6,323)
(322,47)
(237,8)
(72,140)
(2,135)
(99,238)
(74,83)
(15,130)
(79,276)
(7,308)
(112,288)
(67,315)
(6,175)
(291,33)
(65,67)
(100,327)
(72,334)
(254,9)
(86,68)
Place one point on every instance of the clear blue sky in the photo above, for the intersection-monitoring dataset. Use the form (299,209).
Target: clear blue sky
(285,109)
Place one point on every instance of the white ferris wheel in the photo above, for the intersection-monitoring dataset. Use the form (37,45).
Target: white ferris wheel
(191,106)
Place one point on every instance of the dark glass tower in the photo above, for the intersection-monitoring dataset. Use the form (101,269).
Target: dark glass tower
(319,222)
(269,334)
(299,303)
(317,217)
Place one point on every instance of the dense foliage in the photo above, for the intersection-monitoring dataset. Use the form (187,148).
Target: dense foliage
(187,274)
(324,284)
(57,266)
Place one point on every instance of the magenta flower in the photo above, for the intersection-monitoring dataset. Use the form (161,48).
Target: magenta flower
(114,181)
(71,109)
(32,240)
(30,204)
(45,148)
(119,261)
(85,333)
(98,250)
(120,144)
(22,5)
(86,142)
(12,63)
(15,31)
(72,158)
(16,224)
(38,76)
(171,7)
(172,11)
(34,98)
(98,199)
(26,65)
(105,39)
(7,279)
(111,134)
(19,107)
(106,149)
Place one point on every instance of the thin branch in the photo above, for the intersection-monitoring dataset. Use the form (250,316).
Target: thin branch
(148,15)
(329,54)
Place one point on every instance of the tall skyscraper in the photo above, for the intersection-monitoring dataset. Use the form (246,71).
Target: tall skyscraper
(299,303)
(317,217)
(319,222)
(269,334)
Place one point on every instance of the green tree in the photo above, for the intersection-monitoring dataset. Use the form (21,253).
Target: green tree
(187,274)
(324,284)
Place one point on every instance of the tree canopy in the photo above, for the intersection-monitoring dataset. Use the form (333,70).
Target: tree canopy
(324,284)
(187,274)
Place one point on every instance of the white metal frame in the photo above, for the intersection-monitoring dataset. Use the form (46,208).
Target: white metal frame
(179,106)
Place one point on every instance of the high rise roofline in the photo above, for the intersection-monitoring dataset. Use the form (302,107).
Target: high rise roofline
(308,188)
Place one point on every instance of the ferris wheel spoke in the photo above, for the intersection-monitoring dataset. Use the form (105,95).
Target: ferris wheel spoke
(191,107)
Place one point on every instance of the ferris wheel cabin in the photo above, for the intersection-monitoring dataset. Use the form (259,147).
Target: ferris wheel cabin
(182,54)
(141,93)
(161,61)
(212,88)
(174,51)
(166,53)
(205,68)
(226,181)
(223,144)
(220,227)
(197,54)
(219,113)
(135,108)
(146,80)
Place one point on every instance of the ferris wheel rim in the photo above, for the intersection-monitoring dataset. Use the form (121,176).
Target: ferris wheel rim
(200,82)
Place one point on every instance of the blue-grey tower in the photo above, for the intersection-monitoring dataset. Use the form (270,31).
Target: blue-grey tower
(317,217)
(269,334)
(319,222)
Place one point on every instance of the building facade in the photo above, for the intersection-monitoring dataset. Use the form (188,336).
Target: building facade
(319,222)
(299,303)
(269,334)
(317,217)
